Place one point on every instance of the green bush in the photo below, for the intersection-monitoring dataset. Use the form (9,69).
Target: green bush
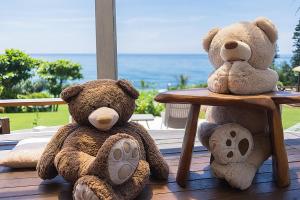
(145,104)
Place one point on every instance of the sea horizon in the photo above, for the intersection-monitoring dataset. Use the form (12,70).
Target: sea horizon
(159,69)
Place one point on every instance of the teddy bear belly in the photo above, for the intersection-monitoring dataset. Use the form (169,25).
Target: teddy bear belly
(90,140)
(255,120)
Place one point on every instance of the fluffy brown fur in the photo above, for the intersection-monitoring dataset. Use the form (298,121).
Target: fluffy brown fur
(79,151)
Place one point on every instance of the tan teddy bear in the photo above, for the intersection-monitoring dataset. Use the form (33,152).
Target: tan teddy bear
(238,138)
(103,154)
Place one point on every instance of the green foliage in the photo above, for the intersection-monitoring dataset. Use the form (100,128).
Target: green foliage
(35,95)
(286,74)
(37,86)
(145,104)
(146,85)
(295,60)
(15,67)
(58,73)
(182,83)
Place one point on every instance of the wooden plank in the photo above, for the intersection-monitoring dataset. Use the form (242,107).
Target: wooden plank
(106,40)
(31,102)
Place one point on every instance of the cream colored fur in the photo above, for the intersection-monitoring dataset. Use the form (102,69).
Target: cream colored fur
(241,54)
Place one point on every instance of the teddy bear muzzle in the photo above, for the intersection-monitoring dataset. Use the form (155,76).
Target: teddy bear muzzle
(235,50)
(103,118)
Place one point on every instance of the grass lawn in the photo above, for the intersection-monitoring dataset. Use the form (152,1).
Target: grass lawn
(291,116)
(26,120)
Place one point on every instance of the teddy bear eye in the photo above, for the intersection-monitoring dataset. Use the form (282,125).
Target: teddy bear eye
(108,105)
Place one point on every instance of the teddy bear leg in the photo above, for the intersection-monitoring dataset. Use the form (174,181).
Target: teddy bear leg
(205,130)
(261,150)
(117,159)
(92,187)
(230,143)
(238,175)
(230,172)
(71,163)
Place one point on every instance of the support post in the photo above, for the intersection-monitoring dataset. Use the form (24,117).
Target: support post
(106,40)
(4,126)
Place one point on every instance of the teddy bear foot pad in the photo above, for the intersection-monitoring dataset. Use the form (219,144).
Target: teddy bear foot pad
(83,192)
(123,160)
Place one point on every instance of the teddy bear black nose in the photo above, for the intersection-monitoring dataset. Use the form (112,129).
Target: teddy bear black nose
(231,45)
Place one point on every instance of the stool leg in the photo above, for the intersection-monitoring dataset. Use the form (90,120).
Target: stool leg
(279,156)
(188,145)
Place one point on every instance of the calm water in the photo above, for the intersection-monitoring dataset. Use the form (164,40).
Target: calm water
(160,70)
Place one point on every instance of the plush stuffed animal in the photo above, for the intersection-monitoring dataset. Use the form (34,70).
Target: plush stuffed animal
(238,138)
(103,154)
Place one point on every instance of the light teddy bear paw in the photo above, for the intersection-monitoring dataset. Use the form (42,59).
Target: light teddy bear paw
(238,175)
(231,143)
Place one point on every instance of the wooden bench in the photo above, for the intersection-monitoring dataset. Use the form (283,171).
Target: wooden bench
(4,122)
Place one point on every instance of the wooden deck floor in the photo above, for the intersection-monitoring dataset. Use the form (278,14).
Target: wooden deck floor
(25,184)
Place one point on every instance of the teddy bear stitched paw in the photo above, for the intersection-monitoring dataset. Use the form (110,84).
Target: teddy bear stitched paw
(82,192)
(230,143)
(123,160)
(238,175)
(93,188)
(117,159)
(218,81)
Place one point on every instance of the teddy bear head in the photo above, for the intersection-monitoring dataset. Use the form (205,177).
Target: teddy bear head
(244,41)
(101,103)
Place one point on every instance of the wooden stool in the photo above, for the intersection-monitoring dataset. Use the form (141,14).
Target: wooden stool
(269,101)
(4,126)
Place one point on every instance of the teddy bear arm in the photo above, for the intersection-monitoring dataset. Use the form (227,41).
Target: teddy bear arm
(45,166)
(158,166)
(245,79)
(218,81)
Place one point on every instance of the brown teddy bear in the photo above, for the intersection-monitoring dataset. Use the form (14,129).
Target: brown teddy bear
(103,154)
(239,139)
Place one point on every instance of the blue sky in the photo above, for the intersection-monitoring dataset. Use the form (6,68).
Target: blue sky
(143,26)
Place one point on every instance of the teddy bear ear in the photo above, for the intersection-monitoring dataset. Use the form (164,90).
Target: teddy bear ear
(127,87)
(267,27)
(208,38)
(70,92)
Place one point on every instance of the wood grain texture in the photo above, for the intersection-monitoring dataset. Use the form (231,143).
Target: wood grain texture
(201,184)
(279,156)
(188,145)
(203,96)
(31,102)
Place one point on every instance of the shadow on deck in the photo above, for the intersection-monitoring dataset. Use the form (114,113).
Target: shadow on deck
(25,184)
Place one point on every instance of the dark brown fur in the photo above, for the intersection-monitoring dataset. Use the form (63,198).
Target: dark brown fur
(79,152)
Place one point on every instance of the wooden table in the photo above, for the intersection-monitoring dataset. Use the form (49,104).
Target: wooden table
(269,101)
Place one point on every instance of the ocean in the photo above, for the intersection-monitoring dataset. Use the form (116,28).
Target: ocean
(160,70)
